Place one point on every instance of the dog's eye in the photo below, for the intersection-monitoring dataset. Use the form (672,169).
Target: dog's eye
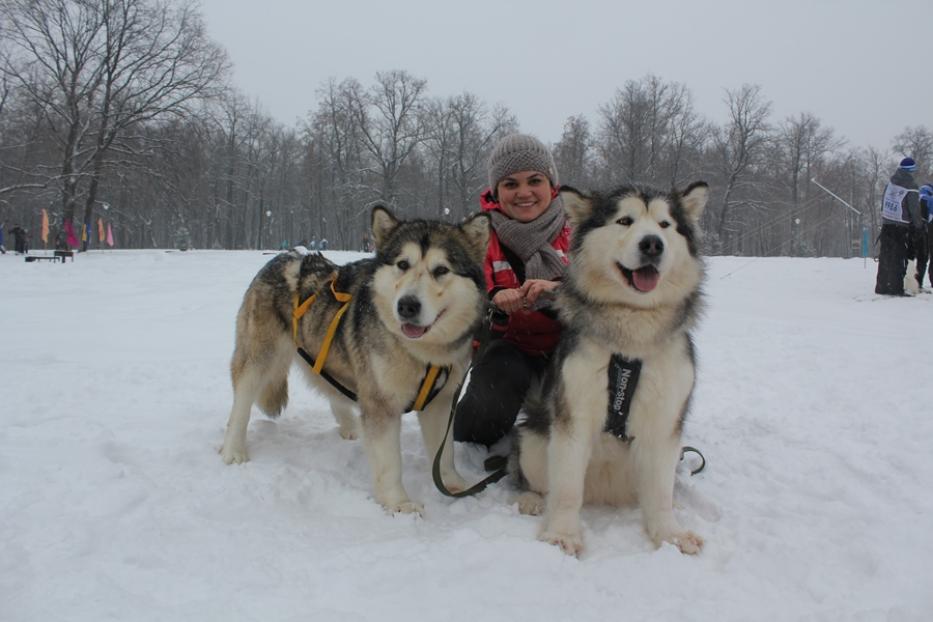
(625,221)
(440,271)
(665,224)
(403,265)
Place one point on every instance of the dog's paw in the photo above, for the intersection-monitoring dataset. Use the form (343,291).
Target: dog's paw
(234,455)
(688,542)
(349,432)
(530,503)
(569,543)
(404,507)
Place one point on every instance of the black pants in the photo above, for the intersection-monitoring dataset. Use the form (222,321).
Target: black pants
(498,384)
(923,251)
(892,261)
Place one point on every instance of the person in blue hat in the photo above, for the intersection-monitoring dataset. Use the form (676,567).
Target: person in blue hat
(924,240)
(900,217)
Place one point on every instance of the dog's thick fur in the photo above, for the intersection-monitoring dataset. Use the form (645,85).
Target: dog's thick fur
(417,302)
(632,288)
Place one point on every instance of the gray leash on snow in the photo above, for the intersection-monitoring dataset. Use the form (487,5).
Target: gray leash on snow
(685,449)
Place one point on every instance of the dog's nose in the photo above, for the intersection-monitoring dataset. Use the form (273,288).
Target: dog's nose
(409,307)
(651,246)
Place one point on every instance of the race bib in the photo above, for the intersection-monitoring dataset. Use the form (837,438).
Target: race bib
(893,200)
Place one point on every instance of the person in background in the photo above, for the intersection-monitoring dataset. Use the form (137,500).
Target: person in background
(323,244)
(925,239)
(900,211)
(2,247)
(525,261)
(20,241)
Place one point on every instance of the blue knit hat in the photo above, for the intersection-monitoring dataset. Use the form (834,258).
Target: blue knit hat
(926,190)
(908,165)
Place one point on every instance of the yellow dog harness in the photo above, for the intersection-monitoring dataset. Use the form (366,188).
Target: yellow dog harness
(426,393)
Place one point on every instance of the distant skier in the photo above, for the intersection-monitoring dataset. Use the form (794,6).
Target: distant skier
(924,239)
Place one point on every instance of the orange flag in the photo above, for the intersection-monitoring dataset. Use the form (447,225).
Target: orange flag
(44,236)
(100,231)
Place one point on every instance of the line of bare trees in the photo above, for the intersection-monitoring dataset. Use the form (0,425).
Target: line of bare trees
(121,109)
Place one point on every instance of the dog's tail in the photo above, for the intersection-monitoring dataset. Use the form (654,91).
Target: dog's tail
(274,397)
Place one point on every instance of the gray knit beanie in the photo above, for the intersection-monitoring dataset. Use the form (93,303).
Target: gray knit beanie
(520,152)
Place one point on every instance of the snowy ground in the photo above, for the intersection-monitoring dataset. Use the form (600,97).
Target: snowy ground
(813,410)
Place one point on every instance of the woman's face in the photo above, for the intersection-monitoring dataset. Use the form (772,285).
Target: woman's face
(524,196)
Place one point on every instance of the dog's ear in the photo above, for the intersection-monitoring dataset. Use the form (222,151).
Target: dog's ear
(694,199)
(476,228)
(577,205)
(382,223)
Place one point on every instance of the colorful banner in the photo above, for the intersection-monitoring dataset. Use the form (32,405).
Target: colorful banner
(71,238)
(44,233)
(100,231)
(109,235)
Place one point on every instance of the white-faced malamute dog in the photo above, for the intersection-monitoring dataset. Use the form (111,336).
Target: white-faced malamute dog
(408,316)
(607,426)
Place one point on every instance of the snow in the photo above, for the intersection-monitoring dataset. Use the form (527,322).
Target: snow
(812,409)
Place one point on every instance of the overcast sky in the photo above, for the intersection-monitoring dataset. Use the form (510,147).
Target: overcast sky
(858,66)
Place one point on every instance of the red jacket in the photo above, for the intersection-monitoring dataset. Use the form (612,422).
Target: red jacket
(532,331)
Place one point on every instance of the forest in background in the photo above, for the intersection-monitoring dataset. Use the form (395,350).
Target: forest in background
(123,110)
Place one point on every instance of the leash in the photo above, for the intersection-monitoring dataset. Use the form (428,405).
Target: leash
(685,449)
(497,464)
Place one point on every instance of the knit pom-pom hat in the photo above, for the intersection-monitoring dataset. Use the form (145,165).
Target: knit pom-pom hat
(908,165)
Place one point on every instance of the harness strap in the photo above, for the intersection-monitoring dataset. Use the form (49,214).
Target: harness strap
(298,310)
(332,329)
(429,390)
(326,376)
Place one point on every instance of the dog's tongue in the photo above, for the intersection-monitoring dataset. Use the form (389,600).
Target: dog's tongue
(412,331)
(645,279)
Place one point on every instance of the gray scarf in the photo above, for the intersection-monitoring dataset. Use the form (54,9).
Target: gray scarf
(531,241)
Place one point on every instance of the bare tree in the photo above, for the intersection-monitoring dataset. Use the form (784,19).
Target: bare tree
(637,128)
(802,144)
(390,121)
(573,153)
(916,142)
(98,68)
(738,145)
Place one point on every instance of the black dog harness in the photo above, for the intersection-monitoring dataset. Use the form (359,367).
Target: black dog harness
(623,380)
(435,377)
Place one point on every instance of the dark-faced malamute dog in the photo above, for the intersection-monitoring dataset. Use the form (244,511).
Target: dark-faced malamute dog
(409,311)
(608,425)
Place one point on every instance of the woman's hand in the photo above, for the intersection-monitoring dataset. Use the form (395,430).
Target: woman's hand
(533,288)
(509,300)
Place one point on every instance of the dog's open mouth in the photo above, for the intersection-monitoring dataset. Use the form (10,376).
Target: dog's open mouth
(413,331)
(416,331)
(643,279)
